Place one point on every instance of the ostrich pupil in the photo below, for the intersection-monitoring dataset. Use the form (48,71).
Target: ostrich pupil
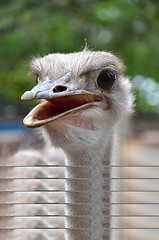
(106,79)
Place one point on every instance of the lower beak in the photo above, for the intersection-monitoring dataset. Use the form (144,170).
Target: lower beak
(61,106)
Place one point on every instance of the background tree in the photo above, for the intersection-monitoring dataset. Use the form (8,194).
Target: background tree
(128,28)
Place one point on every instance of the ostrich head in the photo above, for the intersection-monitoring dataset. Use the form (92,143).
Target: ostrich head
(85,93)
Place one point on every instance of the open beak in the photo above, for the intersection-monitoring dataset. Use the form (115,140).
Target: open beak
(61,101)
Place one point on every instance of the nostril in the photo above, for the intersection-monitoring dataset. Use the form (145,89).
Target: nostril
(59,88)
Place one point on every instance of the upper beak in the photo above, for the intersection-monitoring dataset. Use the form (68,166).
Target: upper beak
(48,89)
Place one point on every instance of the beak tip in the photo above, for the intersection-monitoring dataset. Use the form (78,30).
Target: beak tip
(27,120)
(27,96)
(23,97)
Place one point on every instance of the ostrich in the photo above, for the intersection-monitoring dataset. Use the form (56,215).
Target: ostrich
(84,98)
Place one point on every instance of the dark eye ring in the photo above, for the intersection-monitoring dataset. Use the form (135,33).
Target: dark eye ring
(37,78)
(106,79)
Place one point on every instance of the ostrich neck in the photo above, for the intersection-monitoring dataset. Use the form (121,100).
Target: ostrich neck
(88,192)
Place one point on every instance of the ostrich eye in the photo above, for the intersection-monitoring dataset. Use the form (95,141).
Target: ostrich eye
(106,79)
(37,78)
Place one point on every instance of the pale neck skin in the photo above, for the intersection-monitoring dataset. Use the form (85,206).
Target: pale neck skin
(88,152)
(94,209)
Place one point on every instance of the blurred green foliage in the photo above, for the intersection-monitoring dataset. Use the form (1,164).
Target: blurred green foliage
(128,28)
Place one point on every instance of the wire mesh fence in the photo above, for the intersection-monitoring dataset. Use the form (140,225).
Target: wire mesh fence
(33,194)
